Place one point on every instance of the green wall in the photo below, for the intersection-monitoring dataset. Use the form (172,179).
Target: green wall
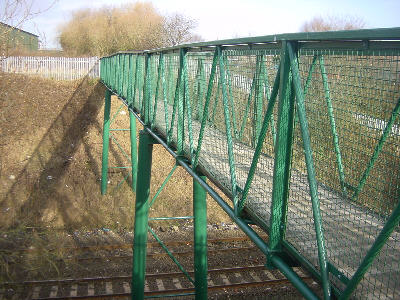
(18,39)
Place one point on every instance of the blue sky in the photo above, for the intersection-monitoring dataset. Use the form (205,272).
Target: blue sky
(221,19)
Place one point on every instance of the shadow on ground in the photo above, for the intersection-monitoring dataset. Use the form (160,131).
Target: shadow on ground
(59,183)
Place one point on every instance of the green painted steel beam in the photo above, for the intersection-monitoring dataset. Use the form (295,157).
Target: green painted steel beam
(200,239)
(322,255)
(283,151)
(141,215)
(106,142)
(133,136)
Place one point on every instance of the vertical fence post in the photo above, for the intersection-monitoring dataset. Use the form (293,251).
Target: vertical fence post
(141,215)
(106,140)
(200,239)
(280,190)
(132,121)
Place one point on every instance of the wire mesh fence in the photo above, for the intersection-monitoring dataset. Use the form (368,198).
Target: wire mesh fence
(303,136)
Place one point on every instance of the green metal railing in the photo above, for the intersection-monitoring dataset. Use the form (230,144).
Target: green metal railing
(300,131)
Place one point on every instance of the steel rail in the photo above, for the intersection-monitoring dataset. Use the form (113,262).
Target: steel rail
(166,292)
(183,291)
(152,275)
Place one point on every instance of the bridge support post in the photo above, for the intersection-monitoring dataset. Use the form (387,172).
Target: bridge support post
(106,141)
(141,214)
(283,155)
(132,127)
(200,239)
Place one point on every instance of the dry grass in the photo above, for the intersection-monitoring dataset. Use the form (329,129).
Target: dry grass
(51,160)
(50,168)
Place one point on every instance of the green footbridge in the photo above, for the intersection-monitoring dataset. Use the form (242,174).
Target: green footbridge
(300,131)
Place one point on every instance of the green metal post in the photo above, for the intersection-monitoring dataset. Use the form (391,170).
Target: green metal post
(283,153)
(106,141)
(200,239)
(141,215)
(132,127)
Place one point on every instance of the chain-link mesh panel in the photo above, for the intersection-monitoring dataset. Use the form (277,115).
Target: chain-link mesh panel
(349,102)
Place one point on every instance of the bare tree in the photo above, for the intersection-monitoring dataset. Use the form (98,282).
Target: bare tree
(330,23)
(15,13)
(178,29)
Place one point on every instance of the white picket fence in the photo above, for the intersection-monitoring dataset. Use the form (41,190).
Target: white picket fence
(58,68)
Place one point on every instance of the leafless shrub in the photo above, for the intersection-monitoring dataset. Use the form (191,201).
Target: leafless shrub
(136,26)
(331,23)
(177,29)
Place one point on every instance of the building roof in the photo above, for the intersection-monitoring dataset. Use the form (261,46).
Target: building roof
(4,24)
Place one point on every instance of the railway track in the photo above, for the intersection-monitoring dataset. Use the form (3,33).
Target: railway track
(161,284)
